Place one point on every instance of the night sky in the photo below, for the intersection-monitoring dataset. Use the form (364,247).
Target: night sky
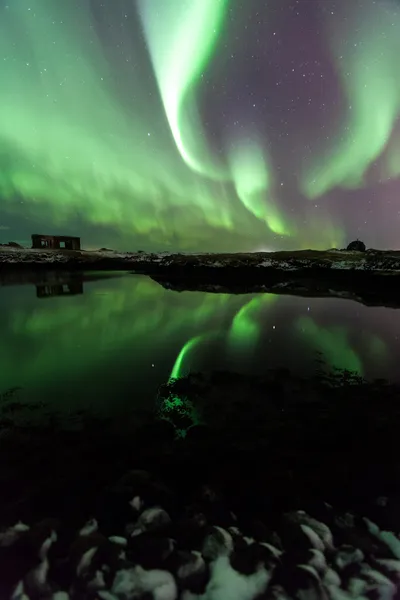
(201,124)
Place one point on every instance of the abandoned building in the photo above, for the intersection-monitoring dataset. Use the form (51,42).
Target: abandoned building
(56,242)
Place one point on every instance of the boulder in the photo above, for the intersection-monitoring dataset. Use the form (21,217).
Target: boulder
(356,246)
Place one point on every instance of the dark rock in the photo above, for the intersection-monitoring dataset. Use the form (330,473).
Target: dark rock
(141,484)
(191,528)
(149,551)
(356,246)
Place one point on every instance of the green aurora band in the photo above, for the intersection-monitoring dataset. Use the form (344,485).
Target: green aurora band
(253,183)
(369,49)
(181,38)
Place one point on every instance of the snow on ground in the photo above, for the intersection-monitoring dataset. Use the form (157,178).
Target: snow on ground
(351,261)
(282,264)
(37,255)
(24,255)
(345,264)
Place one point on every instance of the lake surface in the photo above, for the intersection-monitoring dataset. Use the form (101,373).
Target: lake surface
(111,344)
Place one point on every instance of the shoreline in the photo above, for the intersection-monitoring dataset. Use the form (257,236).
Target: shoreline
(377,261)
(370,277)
(369,290)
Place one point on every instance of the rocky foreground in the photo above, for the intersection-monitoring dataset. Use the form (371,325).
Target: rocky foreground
(205,551)
(281,489)
(369,277)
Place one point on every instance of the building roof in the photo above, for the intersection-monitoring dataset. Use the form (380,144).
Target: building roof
(59,237)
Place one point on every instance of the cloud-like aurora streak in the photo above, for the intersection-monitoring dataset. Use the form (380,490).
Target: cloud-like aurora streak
(59,121)
(181,37)
(366,54)
(69,148)
(253,180)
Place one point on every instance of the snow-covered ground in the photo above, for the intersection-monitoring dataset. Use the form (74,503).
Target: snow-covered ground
(339,261)
(24,255)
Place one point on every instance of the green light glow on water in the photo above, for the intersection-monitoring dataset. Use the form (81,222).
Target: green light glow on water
(130,335)
(332,342)
(182,366)
(248,324)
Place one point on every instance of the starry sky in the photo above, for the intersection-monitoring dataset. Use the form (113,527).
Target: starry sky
(211,125)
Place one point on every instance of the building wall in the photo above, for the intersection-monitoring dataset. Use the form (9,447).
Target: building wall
(54,242)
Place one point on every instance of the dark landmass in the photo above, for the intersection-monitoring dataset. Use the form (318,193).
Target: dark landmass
(256,450)
(370,277)
(372,290)
(293,440)
(381,261)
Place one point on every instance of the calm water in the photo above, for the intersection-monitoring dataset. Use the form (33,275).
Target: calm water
(114,342)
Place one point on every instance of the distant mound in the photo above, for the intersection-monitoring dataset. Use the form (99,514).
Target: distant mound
(11,245)
(356,246)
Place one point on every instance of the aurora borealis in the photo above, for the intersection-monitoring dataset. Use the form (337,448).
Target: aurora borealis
(201,125)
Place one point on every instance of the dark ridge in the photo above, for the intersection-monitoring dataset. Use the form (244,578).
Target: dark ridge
(284,438)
